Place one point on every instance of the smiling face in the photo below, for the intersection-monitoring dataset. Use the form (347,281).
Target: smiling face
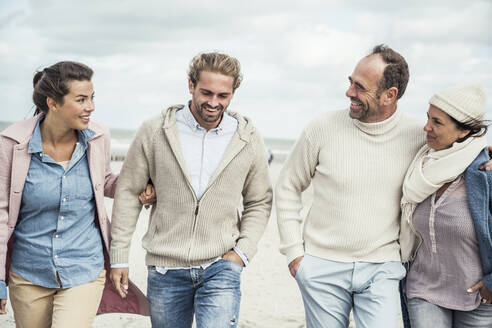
(441,131)
(210,98)
(365,103)
(78,104)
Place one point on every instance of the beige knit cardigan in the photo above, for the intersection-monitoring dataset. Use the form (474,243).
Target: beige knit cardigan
(183,231)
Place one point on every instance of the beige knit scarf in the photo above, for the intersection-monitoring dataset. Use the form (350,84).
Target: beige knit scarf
(428,172)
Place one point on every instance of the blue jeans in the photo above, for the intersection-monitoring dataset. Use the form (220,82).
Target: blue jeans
(424,314)
(331,289)
(212,295)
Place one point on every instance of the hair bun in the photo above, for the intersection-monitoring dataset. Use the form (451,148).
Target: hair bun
(36,78)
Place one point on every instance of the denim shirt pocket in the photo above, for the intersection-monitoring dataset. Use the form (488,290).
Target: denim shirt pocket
(82,182)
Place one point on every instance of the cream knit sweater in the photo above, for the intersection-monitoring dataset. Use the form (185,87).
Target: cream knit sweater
(182,230)
(357,171)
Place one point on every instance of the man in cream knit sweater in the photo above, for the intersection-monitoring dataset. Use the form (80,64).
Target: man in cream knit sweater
(347,254)
(206,163)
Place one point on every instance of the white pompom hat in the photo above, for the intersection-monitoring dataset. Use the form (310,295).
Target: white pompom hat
(464,103)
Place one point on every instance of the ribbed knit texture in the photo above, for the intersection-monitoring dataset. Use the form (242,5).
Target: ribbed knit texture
(464,103)
(182,231)
(357,170)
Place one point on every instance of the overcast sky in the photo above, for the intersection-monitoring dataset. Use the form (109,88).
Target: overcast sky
(295,55)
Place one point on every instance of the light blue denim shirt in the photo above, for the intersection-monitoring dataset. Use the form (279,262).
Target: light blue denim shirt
(56,233)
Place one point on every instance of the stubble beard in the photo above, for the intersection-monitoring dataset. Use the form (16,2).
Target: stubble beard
(201,111)
(366,110)
(362,113)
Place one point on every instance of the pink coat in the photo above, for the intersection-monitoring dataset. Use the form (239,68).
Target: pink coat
(14,165)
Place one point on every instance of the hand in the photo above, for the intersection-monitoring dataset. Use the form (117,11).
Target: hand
(148,197)
(294,265)
(119,278)
(487,166)
(3,306)
(484,292)
(232,256)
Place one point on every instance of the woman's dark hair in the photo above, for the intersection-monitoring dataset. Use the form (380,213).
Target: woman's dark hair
(53,82)
(477,128)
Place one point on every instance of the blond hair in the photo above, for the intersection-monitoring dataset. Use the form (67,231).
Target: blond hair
(218,63)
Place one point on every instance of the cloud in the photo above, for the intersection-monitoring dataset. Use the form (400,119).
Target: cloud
(465,22)
(295,56)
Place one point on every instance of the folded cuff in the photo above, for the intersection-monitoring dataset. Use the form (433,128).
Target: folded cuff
(241,255)
(118,256)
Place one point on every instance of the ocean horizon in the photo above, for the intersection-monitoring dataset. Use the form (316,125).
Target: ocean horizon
(122,138)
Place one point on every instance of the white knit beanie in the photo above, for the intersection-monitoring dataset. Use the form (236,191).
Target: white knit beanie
(464,103)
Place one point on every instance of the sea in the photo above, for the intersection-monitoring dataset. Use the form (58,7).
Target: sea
(122,138)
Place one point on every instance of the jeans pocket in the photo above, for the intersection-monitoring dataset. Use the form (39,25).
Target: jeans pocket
(300,268)
(234,265)
(393,270)
(157,270)
(161,270)
(402,269)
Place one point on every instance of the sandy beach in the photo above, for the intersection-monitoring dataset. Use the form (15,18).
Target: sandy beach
(270,297)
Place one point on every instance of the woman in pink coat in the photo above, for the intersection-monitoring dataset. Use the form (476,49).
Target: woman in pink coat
(54,230)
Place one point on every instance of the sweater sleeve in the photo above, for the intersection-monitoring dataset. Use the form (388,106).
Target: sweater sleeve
(487,281)
(132,180)
(294,178)
(257,201)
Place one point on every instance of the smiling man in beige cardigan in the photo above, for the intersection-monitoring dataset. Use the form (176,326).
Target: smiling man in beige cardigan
(206,163)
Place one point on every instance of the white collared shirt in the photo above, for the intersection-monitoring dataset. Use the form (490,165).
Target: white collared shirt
(203,150)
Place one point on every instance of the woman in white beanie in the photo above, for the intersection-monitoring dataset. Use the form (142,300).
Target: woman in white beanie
(446,205)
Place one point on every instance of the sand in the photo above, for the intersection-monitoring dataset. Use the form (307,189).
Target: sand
(270,296)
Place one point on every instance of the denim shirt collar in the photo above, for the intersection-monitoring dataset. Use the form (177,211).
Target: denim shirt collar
(227,123)
(36,143)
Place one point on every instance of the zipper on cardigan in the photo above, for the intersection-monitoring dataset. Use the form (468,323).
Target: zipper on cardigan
(194,221)
(193,230)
